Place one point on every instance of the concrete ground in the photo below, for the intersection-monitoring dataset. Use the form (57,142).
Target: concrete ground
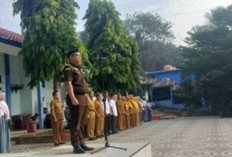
(180,137)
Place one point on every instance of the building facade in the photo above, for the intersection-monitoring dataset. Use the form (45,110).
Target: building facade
(161,91)
(19,97)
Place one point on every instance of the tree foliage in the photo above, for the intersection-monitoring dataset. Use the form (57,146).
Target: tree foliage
(208,56)
(188,92)
(112,51)
(154,36)
(48,27)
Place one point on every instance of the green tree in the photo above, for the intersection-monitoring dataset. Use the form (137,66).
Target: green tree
(188,92)
(154,37)
(112,51)
(208,56)
(83,35)
(48,27)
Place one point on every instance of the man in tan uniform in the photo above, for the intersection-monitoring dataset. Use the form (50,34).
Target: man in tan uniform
(99,116)
(136,107)
(57,117)
(77,100)
(138,100)
(121,113)
(91,117)
(127,108)
(131,110)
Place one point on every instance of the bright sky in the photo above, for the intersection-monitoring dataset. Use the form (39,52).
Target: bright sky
(183,14)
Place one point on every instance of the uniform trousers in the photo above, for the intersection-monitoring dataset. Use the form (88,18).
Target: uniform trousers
(99,126)
(78,120)
(57,128)
(121,122)
(91,124)
(114,123)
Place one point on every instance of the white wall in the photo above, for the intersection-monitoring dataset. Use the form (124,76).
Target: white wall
(26,97)
(24,100)
(47,93)
(15,67)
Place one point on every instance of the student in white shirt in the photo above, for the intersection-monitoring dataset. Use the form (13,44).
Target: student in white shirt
(114,113)
(108,127)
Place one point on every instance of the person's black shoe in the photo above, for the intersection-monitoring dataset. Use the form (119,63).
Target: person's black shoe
(91,138)
(84,147)
(78,150)
(115,131)
(109,132)
(56,144)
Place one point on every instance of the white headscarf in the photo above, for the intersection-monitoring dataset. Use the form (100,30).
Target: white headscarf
(4,111)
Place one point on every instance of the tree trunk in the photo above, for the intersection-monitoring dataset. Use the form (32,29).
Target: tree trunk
(56,84)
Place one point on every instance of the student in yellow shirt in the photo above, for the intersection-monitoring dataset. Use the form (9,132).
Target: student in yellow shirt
(57,117)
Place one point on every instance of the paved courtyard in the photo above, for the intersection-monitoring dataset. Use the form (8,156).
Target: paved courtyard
(180,137)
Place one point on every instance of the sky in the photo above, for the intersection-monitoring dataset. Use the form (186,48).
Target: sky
(183,14)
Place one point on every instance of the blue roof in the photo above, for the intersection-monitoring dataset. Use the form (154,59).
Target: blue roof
(162,71)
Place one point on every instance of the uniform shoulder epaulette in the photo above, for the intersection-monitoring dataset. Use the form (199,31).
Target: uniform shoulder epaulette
(67,67)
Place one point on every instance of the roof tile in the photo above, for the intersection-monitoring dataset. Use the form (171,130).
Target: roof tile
(11,35)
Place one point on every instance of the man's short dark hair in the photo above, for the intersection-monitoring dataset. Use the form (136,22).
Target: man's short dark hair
(72,50)
(98,94)
(54,93)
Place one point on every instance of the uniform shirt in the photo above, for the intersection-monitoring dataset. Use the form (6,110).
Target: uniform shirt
(91,106)
(135,105)
(107,107)
(76,76)
(113,107)
(121,106)
(3,109)
(143,102)
(58,110)
(98,107)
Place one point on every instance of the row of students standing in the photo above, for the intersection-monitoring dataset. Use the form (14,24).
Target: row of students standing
(130,112)
(108,114)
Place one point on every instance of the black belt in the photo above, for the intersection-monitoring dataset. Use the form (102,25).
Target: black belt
(79,93)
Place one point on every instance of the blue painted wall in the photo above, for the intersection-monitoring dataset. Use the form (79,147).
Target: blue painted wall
(174,75)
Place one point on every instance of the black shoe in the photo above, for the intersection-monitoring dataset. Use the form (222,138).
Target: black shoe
(115,131)
(56,144)
(78,150)
(62,143)
(83,146)
(109,132)
(91,139)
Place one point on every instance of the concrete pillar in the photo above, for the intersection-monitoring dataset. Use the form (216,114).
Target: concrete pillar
(8,83)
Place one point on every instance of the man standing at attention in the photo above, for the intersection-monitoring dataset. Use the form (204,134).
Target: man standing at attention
(91,117)
(57,118)
(77,100)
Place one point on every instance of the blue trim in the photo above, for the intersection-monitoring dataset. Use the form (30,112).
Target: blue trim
(11,42)
(153,73)
(40,106)
(7,84)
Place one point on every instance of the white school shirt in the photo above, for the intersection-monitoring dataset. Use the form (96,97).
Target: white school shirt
(144,103)
(107,109)
(113,107)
